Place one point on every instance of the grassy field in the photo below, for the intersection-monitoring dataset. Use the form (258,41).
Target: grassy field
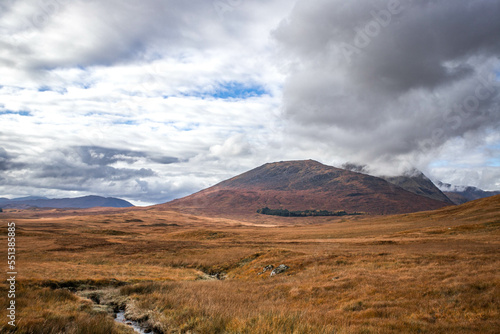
(430,272)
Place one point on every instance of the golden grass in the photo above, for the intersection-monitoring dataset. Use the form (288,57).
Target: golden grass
(53,311)
(431,272)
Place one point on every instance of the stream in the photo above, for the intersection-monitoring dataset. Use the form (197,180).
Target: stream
(120,317)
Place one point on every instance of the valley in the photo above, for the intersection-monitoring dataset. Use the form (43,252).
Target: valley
(174,272)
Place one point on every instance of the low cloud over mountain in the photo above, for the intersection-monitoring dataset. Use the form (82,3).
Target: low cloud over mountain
(392,81)
(154,100)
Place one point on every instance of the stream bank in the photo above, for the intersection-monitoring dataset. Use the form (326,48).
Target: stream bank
(110,300)
(136,326)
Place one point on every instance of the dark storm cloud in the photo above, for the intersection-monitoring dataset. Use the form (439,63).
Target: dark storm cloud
(80,165)
(96,155)
(164,160)
(102,156)
(7,161)
(4,159)
(91,163)
(382,79)
(83,168)
(108,32)
(82,174)
(70,177)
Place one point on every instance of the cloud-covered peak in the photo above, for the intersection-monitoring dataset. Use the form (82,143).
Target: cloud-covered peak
(153,100)
(391,81)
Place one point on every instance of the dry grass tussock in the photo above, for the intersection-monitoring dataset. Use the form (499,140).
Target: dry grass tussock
(432,272)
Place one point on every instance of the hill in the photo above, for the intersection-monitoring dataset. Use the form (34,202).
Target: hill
(61,203)
(417,183)
(303,185)
(479,210)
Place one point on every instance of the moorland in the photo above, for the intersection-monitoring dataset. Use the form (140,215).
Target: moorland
(176,272)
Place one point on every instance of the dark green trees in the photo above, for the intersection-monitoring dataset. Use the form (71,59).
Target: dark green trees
(305,213)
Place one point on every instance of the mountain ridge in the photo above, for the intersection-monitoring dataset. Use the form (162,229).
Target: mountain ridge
(418,183)
(464,194)
(84,202)
(302,185)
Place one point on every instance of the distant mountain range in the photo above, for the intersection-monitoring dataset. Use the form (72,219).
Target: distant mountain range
(296,185)
(61,203)
(304,185)
(463,194)
(416,182)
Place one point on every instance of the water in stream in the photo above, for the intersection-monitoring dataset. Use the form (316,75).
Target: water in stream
(120,317)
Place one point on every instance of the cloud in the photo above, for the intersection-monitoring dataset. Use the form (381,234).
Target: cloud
(385,81)
(81,33)
(7,161)
(4,159)
(80,175)
(71,167)
(356,168)
(155,100)
(135,100)
(95,155)
(485,178)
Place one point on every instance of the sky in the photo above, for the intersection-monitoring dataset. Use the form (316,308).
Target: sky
(153,100)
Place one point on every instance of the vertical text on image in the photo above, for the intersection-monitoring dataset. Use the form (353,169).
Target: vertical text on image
(11,273)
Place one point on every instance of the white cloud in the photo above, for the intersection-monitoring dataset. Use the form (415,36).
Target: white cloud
(143,78)
(412,81)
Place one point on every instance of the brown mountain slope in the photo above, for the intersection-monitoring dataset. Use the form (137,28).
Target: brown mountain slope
(479,210)
(301,185)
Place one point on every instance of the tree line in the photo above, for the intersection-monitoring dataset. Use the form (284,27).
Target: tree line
(304,213)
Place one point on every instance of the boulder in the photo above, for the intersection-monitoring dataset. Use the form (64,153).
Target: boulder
(279,269)
(266,268)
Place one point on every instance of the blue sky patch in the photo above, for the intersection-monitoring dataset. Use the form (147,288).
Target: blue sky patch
(125,122)
(494,162)
(10,112)
(44,89)
(50,89)
(238,90)
(231,90)
(439,163)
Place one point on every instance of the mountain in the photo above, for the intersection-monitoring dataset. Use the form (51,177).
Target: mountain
(28,198)
(60,203)
(302,185)
(416,182)
(461,194)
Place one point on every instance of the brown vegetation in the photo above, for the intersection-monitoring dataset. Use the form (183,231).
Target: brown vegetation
(428,272)
(303,185)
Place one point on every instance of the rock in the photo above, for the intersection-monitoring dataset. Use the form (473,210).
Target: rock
(220,276)
(280,269)
(266,268)
(215,276)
